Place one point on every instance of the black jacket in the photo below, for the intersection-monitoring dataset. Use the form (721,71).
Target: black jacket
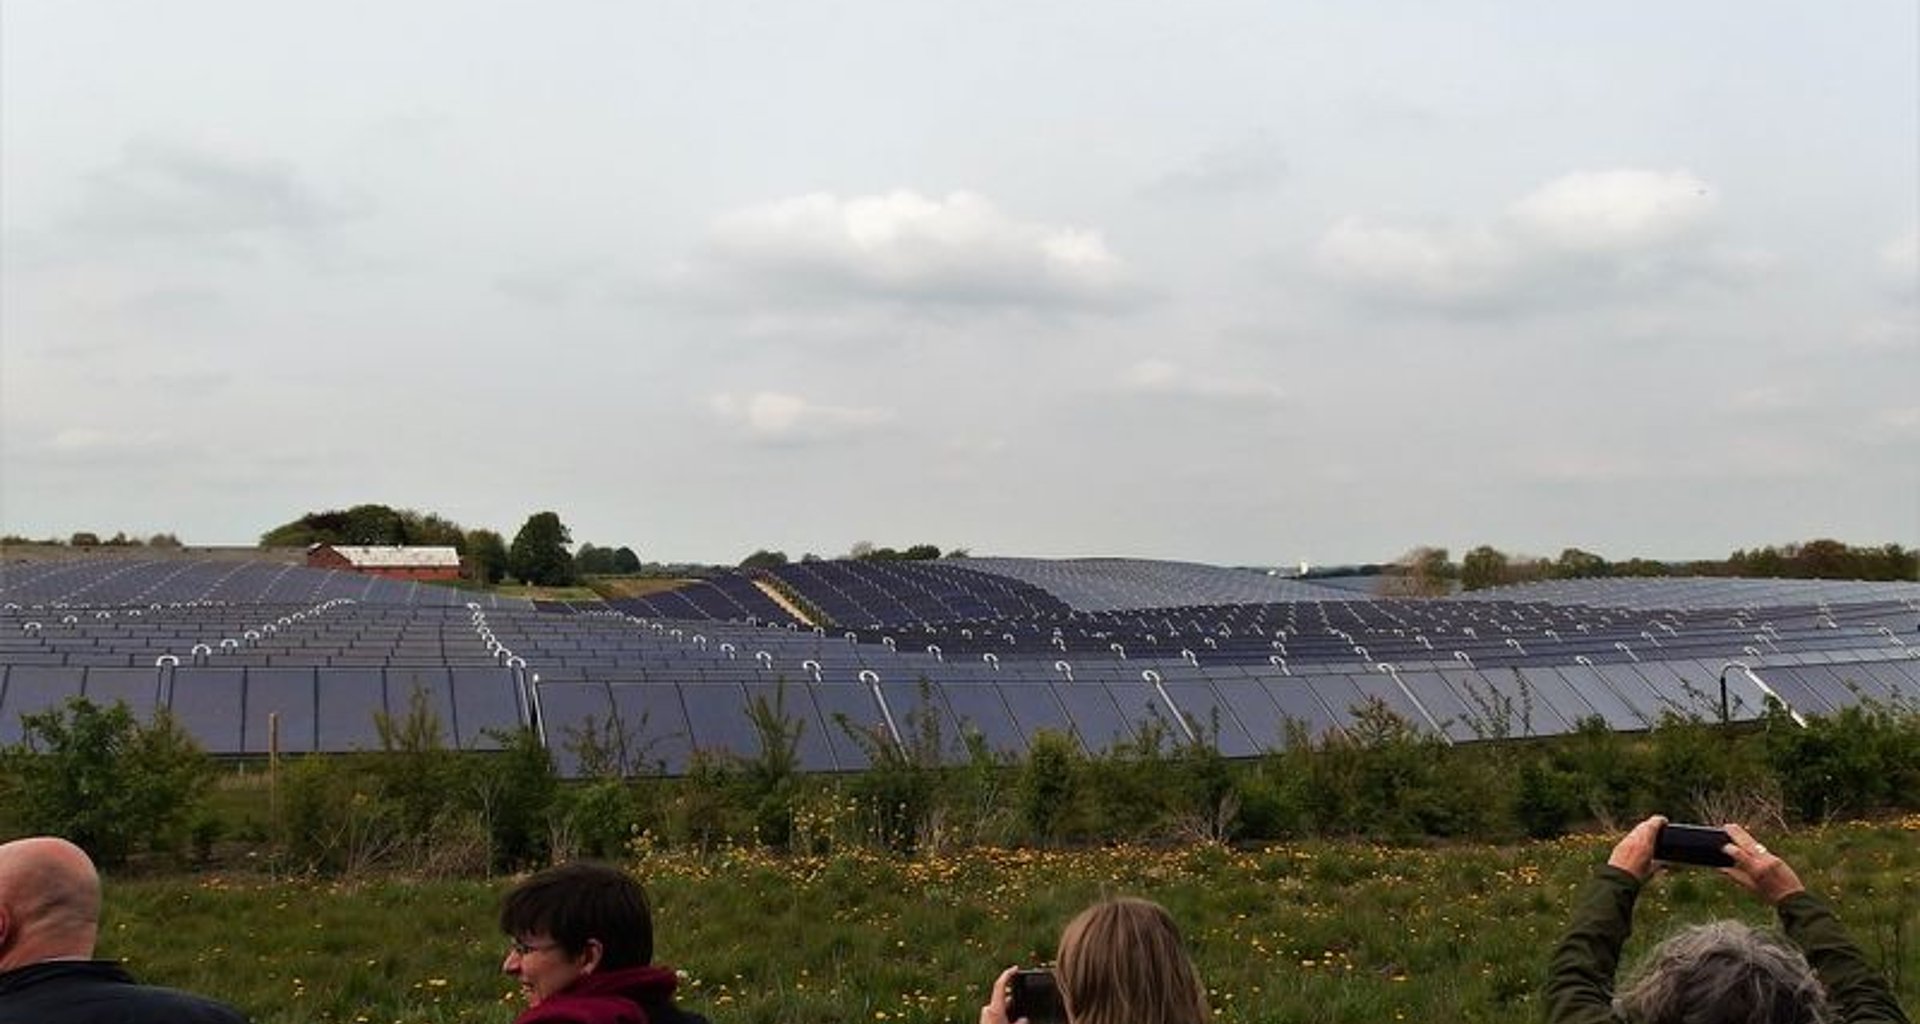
(100,992)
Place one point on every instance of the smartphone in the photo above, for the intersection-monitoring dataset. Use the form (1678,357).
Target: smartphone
(1036,997)
(1693,844)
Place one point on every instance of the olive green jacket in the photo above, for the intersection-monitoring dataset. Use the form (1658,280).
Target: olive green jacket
(1580,979)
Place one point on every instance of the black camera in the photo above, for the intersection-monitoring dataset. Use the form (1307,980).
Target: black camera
(1035,997)
(1693,844)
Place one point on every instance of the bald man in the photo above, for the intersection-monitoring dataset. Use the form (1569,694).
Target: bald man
(49,919)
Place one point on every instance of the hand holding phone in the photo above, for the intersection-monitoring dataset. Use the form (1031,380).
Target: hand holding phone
(1693,844)
(1035,997)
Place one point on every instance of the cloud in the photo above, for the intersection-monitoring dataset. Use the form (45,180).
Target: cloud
(775,418)
(1613,211)
(1159,377)
(1766,400)
(1900,260)
(957,250)
(1251,167)
(1587,235)
(162,191)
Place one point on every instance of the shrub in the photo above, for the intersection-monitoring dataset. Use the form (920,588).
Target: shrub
(1046,787)
(104,780)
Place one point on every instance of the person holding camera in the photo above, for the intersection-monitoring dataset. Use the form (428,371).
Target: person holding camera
(1120,961)
(1724,972)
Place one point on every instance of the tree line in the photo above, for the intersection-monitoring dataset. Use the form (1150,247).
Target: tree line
(537,555)
(1427,571)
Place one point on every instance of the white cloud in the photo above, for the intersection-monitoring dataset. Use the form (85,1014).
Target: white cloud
(1586,233)
(902,246)
(777,418)
(1159,377)
(1613,211)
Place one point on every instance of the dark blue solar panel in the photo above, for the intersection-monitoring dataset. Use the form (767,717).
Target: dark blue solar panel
(1900,678)
(1338,694)
(289,694)
(1860,684)
(849,707)
(980,708)
(1836,690)
(1381,687)
(32,689)
(1298,703)
(654,722)
(348,699)
(1035,708)
(1095,718)
(485,700)
(916,707)
(795,701)
(1501,699)
(207,704)
(569,713)
(1793,689)
(435,691)
(717,718)
(1594,690)
(1253,706)
(138,688)
(1626,681)
(1459,721)
(1210,718)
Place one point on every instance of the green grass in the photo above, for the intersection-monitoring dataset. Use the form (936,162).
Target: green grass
(1301,932)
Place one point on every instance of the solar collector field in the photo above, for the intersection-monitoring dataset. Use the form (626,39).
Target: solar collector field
(247,654)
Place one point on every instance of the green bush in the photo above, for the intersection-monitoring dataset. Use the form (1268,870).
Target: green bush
(104,780)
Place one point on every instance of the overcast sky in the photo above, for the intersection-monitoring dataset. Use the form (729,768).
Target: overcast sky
(1232,282)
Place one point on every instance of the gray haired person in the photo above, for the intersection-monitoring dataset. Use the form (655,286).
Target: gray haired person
(1724,972)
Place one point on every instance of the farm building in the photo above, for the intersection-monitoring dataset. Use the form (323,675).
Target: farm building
(404,563)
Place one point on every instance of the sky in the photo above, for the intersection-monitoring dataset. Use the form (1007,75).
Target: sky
(1244,283)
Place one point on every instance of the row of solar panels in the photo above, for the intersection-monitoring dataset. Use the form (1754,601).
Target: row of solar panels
(228,710)
(130,581)
(658,726)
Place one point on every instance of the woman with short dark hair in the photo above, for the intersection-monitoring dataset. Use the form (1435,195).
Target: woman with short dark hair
(581,944)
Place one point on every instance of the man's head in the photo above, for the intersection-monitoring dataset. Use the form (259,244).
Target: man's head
(572,920)
(49,901)
(1724,972)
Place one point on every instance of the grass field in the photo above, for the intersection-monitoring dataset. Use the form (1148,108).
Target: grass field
(1301,932)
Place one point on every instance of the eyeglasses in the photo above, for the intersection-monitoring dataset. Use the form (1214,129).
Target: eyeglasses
(522,948)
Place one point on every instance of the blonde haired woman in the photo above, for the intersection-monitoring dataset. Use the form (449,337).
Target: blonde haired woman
(1120,962)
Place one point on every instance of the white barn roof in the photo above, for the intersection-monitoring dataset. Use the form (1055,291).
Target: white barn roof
(395,557)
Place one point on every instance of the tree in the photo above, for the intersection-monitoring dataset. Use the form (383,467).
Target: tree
(625,561)
(1483,567)
(1575,564)
(539,552)
(486,556)
(764,559)
(1422,572)
(590,560)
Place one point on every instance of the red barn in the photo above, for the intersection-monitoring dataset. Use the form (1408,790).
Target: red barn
(403,563)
